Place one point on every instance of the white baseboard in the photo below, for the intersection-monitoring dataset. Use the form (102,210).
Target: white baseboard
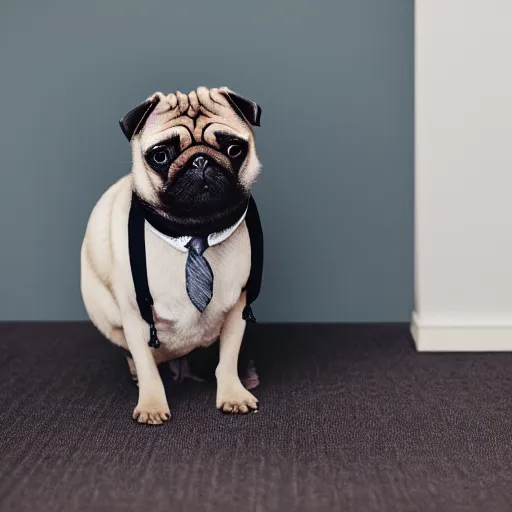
(471,337)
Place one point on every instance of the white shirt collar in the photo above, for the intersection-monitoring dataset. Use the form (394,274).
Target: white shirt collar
(213,239)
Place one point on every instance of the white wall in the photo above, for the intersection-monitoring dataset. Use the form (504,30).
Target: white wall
(463,175)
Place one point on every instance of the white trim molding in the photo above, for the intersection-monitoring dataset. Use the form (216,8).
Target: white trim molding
(461,337)
(463,176)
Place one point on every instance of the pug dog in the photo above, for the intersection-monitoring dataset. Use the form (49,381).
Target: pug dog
(194,163)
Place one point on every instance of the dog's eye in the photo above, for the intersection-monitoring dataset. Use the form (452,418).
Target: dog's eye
(161,157)
(234,150)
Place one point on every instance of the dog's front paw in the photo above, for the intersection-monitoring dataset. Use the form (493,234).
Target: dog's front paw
(152,412)
(234,398)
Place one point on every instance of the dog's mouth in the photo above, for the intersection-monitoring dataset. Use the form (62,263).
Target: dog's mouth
(203,196)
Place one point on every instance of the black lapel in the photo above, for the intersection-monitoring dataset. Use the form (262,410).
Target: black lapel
(137,251)
(253,286)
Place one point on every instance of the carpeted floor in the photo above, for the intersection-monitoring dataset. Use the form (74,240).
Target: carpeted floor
(351,419)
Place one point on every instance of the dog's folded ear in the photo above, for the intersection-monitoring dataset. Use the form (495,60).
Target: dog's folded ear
(133,121)
(247,109)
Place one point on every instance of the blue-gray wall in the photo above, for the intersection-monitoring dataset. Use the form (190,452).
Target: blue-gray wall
(335,81)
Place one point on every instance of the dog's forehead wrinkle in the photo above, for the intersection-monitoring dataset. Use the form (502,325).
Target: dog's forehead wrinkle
(166,132)
(201,96)
(220,127)
(227,130)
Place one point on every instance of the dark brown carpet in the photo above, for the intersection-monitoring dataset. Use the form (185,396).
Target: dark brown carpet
(351,419)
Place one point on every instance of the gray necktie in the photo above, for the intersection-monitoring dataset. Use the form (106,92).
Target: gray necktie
(198,274)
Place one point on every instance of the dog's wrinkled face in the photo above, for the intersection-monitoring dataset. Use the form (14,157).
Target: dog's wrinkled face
(194,158)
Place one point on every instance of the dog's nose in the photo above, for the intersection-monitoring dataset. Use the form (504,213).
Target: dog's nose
(200,162)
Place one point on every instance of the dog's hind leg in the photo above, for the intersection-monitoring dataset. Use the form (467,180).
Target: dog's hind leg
(100,304)
(132,368)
